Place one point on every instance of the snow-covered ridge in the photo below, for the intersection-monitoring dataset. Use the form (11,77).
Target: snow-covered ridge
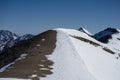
(77,60)
(78,33)
(84,30)
(86,38)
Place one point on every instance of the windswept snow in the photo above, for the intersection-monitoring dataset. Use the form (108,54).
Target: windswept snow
(77,33)
(101,64)
(77,60)
(114,43)
(68,65)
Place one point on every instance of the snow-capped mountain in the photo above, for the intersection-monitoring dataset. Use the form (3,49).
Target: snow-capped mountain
(7,38)
(111,37)
(24,37)
(60,54)
(114,42)
(106,34)
(84,30)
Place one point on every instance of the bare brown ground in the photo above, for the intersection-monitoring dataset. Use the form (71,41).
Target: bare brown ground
(36,62)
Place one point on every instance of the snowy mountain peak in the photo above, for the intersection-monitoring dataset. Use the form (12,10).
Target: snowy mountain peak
(106,34)
(7,38)
(112,30)
(114,41)
(6,35)
(84,30)
(24,37)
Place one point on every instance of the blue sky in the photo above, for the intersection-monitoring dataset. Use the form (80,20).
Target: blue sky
(35,16)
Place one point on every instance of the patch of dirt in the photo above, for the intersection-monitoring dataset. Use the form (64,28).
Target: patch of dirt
(36,61)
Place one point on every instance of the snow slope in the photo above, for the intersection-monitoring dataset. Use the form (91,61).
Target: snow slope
(114,43)
(111,37)
(77,33)
(78,60)
(68,65)
(101,64)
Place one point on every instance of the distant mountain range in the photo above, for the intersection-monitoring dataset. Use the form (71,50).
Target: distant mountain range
(9,39)
(61,54)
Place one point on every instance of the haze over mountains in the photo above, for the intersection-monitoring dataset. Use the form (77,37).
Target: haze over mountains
(61,54)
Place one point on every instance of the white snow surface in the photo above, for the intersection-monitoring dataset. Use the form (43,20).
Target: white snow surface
(77,33)
(85,31)
(114,43)
(68,65)
(101,64)
(77,60)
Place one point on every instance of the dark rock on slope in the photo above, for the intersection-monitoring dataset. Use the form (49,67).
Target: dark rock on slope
(105,35)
